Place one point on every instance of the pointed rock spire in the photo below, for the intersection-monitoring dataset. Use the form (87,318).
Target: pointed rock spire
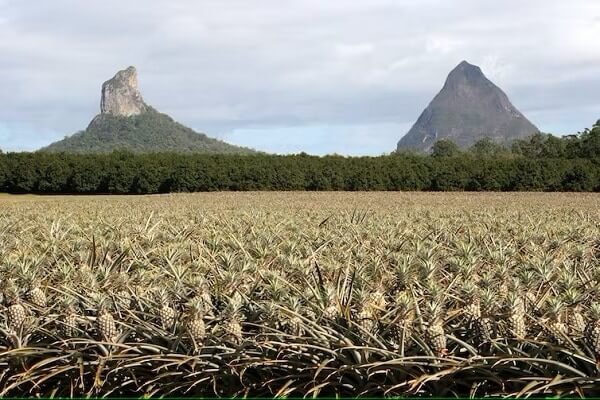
(465,72)
(120,95)
(468,108)
(149,131)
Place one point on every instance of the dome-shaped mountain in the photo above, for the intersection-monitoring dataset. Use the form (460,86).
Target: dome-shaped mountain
(126,122)
(468,108)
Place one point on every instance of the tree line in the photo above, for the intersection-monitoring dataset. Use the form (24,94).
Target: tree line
(540,163)
(585,144)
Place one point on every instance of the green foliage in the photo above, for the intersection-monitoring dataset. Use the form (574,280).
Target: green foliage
(583,145)
(445,148)
(149,132)
(128,172)
(541,163)
(540,145)
(486,147)
(590,141)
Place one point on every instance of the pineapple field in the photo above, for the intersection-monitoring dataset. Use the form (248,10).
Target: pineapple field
(300,294)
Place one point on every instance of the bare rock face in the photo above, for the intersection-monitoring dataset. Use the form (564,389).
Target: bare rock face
(120,95)
(468,108)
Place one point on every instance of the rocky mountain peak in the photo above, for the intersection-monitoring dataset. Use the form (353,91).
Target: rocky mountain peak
(120,95)
(127,123)
(465,72)
(468,108)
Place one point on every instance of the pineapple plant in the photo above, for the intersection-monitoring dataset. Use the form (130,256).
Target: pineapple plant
(35,294)
(70,318)
(401,331)
(435,334)
(592,331)
(105,322)
(502,292)
(371,304)
(366,320)
(166,314)
(575,319)
(437,338)
(401,277)
(231,326)
(194,325)
(471,260)
(122,297)
(376,301)
(485,325)
(16,313)
(331,310)
(517,327)
(200,289)
(555,326)
(292,321)
(502,279)
(472,301)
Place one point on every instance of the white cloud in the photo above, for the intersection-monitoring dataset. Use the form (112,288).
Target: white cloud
(234,68)
(442,45)
(354,50)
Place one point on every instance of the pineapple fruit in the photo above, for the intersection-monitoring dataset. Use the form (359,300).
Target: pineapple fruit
(231,327)
(105,322)
(194,325)
(435,334)
(167,315)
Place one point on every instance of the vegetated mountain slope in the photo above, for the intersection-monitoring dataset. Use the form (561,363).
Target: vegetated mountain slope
(148,132)
(126,122)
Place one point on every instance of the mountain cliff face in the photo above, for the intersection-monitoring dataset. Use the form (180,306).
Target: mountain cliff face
(468,108)
(120,95)
(126,122)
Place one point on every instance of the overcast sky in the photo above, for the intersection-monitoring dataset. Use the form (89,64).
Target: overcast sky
(334,76)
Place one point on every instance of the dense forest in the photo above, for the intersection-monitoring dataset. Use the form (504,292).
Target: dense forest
(541,163)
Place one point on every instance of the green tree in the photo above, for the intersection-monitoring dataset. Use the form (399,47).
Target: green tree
(445,148)
(531,147)
(590,141)
(486,147)
(550,169)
